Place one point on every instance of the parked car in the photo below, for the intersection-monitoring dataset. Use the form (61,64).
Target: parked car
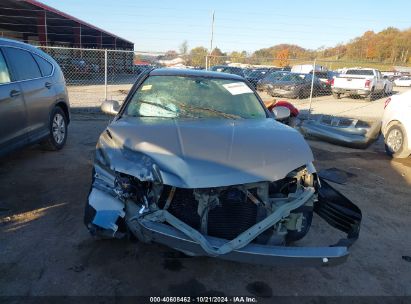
(295,85)
(79,68)
(367,83)
(95,68)
(256,75)
(248,71)
(195,161)
(269,79)
(396,125)
(326,77)
(403,81)
(34,105)
(228,69)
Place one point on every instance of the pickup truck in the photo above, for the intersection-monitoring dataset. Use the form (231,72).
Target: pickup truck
(366,83)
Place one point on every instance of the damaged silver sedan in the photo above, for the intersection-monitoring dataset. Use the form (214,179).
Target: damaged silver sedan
(195,161)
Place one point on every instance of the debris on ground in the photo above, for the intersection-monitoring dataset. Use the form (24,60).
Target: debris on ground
(348,132)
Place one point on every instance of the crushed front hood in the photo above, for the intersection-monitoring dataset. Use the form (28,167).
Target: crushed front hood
(205,153)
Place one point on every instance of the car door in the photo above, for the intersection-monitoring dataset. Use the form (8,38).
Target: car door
(13,116)
(37,88)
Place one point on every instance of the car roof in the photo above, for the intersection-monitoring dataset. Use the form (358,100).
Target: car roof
(25,46)
(194,73)
(15,43)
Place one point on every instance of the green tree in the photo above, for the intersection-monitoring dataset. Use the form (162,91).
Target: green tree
(217,57)
(197,56)
(239,57)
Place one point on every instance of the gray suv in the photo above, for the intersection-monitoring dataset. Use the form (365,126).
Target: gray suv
(34,105)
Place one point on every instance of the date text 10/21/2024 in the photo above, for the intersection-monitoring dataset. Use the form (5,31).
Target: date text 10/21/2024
(204,299)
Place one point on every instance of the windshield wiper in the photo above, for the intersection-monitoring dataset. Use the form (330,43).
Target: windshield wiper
(214,111)
(157,105)
(177,112)
(185,107)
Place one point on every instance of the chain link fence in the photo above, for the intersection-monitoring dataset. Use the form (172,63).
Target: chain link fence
(94,75)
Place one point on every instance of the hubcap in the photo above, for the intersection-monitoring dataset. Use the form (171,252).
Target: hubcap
(59,128)
(394,140)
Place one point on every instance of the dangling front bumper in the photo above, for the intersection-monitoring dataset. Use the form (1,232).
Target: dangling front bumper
(332,206)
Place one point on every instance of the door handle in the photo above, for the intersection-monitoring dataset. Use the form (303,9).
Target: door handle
(14,93)
(48,85)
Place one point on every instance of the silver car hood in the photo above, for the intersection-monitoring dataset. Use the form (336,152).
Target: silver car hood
(205,153)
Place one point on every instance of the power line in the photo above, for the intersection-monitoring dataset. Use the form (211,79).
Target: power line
(259,14)
(173,31)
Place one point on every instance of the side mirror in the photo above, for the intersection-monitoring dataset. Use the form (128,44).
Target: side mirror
(281,113)
(110,107)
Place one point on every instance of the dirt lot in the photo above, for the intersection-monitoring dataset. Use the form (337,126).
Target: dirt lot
(46,250)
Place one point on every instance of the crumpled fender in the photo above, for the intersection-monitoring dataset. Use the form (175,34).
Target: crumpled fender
(338,211)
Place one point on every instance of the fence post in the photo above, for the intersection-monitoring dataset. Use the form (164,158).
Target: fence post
(105,74)
(312,87)
(206,63)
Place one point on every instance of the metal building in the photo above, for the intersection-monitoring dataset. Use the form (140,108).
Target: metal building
(33,22)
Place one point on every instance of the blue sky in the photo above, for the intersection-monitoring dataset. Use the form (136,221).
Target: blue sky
(159,25)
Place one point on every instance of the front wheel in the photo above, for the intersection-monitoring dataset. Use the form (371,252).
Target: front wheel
(396,142)
(370,97)
(58,130)
(336,95)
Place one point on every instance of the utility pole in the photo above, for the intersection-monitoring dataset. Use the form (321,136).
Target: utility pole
(312,88)
(212,38)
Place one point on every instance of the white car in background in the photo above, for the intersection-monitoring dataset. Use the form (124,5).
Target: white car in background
(403,82)
(396,125)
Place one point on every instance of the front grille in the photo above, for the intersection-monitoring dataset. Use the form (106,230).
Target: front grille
(234,215)
(184,206)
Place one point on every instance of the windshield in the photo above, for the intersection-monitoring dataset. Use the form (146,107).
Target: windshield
(360,72)
(294,77)
(194,97)
(257,73)
(275,76)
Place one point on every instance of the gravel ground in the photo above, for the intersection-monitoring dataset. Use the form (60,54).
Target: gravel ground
(46,250)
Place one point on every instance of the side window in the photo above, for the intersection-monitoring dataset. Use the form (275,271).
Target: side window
(45,67)
(23,64)
(4,71)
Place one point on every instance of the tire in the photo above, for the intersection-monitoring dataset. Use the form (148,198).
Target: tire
(370,97)
(58,130)
(337,95)
(396,141)
(300,94)
(383,92)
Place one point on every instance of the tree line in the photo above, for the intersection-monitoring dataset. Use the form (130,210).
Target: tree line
(391,46)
